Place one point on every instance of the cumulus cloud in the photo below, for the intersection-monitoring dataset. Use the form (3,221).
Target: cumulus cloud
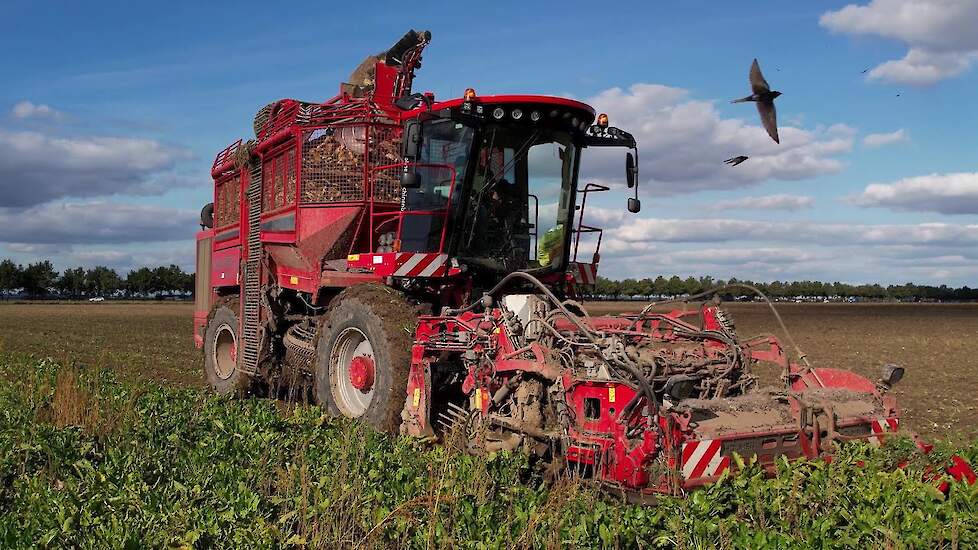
(882,139)
(94,223)
(684,141)
(939,34)
(943,193)
(121,258)
(36,167)
(779,201)
(653,230)
(25,110)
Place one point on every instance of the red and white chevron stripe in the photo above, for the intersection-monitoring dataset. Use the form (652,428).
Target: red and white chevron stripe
(881,426)
(703,459)
(584,274)
(410,264)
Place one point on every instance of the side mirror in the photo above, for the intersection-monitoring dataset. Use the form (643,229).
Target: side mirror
(207,216)
(410,180)
(411,139)
(891,374)
(634,205)
(630,170)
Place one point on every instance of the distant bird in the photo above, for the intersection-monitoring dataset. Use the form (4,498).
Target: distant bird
(734,161)
(866,70)
(764,97)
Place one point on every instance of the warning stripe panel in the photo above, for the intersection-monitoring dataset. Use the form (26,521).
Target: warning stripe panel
(405,264)
(703,459)
(881,426)
(584,274)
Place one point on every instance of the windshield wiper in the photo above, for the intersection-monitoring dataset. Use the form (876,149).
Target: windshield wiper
(496,178)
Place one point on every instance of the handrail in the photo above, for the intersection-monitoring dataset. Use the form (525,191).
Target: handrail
(588,188)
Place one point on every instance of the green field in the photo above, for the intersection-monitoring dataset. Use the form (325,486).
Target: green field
(107,440)
(88,461)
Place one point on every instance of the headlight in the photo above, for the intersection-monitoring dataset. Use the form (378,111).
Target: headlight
(498,113)
(517,114)
(535,116)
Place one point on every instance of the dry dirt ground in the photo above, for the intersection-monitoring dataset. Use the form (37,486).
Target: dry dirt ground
(938,345)
(146,340)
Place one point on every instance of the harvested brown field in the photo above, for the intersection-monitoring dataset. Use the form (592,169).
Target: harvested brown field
(935,342)
(142,340)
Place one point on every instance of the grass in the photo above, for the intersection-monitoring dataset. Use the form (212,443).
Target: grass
(90,461)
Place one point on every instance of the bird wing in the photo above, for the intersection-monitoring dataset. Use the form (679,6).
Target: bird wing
(769,118)
(757,83)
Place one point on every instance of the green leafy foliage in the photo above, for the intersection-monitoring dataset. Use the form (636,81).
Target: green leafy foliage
(89,462)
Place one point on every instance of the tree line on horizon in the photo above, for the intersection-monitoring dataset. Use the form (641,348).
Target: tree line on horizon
(676,286)
(41,279)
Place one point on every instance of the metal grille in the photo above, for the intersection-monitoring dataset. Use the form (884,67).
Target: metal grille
(385,149)
(267,187)
(290,177)
(202,282)
(332,164)
(227,209)
(252,281)
(279,199)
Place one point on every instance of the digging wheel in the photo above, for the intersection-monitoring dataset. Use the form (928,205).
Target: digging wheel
(221,346)
(364,354)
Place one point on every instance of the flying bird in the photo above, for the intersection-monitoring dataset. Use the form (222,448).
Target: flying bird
(866,70)
(764,98)
(734,161)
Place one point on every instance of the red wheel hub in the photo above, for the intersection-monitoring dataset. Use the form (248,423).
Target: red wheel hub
(362,373)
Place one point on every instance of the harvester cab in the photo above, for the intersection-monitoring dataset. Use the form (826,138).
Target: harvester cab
(414,263)
(492,182)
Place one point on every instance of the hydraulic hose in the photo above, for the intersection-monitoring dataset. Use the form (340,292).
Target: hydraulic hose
(801,355)
(634,371)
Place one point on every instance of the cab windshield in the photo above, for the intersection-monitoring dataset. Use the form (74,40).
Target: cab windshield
(441,165)
(516,209)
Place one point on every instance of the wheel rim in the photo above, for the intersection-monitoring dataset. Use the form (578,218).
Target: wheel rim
(351,372)
(225,352)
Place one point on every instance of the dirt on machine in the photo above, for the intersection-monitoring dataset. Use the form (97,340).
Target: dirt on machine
(416,262)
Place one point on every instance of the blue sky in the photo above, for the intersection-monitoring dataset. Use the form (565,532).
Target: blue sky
(111,113)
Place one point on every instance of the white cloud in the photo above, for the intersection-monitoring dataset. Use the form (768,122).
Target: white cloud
(95,223)
(663,230)
(940,35)
(943,193)
(36,167)
(779,201)
(854,264)
(25,109)
(882,139)
(121,258)
(683,143)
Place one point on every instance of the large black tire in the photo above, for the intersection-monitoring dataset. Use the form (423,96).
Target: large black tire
(383,318)
(222,346)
